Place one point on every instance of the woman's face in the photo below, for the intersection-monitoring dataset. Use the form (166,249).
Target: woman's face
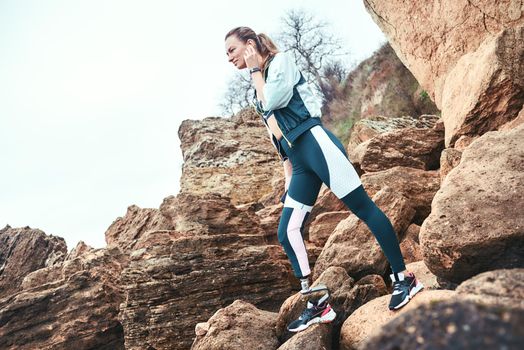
(235,51)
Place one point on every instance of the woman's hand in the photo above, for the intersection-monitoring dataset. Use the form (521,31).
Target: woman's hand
(251,57)
(288,172)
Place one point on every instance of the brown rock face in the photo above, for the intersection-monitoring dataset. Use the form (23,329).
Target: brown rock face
(24,250)
(454,324)
(179,278)
(417,185)
(324,225)
(125,232)
(66,306)
(449,159)
(410,147)
(230,156)
(211,213)
(370,318)
(499,287)
(476,223)
(236,326)
(353,247)
(467,54)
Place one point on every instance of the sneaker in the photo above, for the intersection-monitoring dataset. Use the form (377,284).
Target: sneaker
(404,288)
(321,313)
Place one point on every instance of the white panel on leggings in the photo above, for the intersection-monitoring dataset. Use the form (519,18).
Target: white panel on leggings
(294,235)
(291,203)
(342,176)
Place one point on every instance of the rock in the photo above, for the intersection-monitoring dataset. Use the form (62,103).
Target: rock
(353,246)
(476,223)
(515,122)
(175,284)
(125,231)
(449,159)
(489,83)
(211,213)
(69,305)
(499,287)
(456,324)
(339,284)
(237,325)
(24,250)
(369,319)
(477,88)
(231,156)
(314,338)
(410,147)
(323,226)
(423,274)
(412,233)
(369,127)
(419,186)
(411,251)
(269,219)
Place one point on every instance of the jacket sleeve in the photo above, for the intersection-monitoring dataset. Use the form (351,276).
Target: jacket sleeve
(282,76)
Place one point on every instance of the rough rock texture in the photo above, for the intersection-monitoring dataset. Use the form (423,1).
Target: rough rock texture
(314,338)
(456,324)
(23,250)
(410,250)
(411,147)
(419,186)
(353,247)
(72,305)
(125,231)
(210,213)
(323,226)
(499,287)
(230,156)
(367,320)
(467,54)
(449,159)
(237,325)
(476,223)
(423,274)
(178,279)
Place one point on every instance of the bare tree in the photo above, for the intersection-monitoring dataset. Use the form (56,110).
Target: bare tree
(238,95)
(318,54)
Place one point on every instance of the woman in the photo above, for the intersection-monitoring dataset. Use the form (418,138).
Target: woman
(311,155)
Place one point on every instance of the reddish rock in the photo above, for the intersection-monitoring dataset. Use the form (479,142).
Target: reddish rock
(125,231)
(323,226)
(69,305)
(449,159)
(423,274)
(452,324)
(500,287)
(235,326)
(24,250)
(353,247)
(370,318)
(411,251)
(476,223)
(417,185)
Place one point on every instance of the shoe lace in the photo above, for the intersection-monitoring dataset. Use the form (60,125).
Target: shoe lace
(399,285)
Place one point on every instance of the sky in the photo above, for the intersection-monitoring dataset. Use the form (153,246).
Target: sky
(92,94)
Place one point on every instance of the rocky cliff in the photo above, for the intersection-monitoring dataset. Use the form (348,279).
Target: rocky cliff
(205,269)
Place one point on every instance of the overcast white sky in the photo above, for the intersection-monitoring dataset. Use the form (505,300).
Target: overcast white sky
(92,94)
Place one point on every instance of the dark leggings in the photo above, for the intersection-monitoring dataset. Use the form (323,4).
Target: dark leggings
(318,157)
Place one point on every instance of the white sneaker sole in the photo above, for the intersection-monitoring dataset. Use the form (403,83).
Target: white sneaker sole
(327,318)
(414,291)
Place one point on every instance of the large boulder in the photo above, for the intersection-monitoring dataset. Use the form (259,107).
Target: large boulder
(453,324)
(499,287)
(369,319)
(235,326)
(24,250)
(232,156)
(353,246)
(410,147)
(73,304)
(476,223)
(419,186)
(468,55)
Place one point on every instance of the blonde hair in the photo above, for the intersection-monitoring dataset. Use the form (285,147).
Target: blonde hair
(264,45)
